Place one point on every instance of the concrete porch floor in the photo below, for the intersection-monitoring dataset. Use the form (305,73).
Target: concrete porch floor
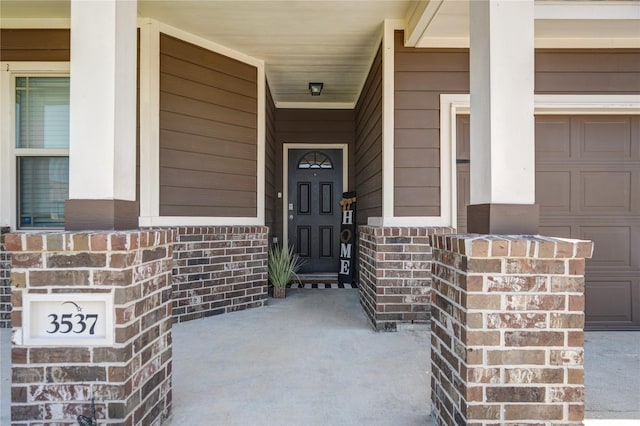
(313,359)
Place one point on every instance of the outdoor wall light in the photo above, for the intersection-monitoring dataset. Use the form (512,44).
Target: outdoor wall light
(315,88)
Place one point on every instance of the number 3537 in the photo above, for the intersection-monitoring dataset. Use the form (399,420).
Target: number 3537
(72,323)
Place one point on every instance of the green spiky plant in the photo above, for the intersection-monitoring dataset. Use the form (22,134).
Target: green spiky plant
(283,267)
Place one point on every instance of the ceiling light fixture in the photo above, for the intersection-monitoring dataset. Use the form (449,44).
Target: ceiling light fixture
(315,88)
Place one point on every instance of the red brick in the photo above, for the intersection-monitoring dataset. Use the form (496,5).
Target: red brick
(576,412)
(80,242)
(98,242)
(575,376)
(34,242)
(484,265)
(13,242)
(516,357)
(533,338)
(479,248)
(533,412)
(567,357)
(515,394)
(567,284)
(516,320)
(566,394)
(576,267)
(518,248)
(526,375)
(534,266)
(546,249)
(584,249)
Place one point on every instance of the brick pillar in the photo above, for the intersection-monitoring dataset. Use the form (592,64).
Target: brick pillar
(507,329)
(395,274)
(219,269)
(131,378)
(5,286)
(5,331)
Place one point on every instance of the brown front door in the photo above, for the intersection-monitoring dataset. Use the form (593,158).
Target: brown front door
(313,211)
(588,187)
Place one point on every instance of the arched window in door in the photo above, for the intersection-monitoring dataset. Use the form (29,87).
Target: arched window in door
(315,160)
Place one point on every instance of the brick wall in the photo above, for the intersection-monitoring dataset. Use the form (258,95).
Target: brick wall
(507,330)
(218,270)
(5,285)
(131,379)
(395,274)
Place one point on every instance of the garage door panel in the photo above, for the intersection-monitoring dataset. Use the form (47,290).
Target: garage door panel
(588,187)
(553,138)
(605,191)
(603,137)
(556,231)
(608,301)
(553,191)
(611,245)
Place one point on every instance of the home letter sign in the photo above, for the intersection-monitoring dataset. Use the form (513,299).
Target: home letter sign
(347,237)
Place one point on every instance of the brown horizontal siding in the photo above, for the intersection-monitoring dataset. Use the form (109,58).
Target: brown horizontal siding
(421,76)
(592,71)
(368,146)
(35,44)
(270,165)
(208,132)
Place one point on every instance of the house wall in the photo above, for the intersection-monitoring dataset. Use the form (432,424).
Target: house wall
(587,71)
(218,269)
(311,126)
(368,144)
(270,163)
(422,75)
(208,132)
(34,44)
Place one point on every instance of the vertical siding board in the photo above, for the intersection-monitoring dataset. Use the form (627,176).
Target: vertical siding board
(368,149)
(270,165)
(208,137)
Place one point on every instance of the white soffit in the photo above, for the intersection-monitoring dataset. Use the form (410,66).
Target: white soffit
(559,24)
(300,41)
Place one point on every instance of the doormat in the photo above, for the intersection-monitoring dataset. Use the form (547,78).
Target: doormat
(322,285)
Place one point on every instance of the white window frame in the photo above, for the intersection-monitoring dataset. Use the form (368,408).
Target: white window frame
(8,151)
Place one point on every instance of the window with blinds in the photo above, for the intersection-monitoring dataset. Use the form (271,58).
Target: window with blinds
(42,150)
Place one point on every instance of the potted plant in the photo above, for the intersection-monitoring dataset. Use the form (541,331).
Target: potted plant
(283,267)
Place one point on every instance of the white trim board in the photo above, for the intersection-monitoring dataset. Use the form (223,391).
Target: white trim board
(452,105)
(285,176)
(8,179)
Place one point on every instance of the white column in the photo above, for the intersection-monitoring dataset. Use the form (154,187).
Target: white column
(502,84)
(102,148)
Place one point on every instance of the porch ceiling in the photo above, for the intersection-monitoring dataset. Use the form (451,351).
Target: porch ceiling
(333,41)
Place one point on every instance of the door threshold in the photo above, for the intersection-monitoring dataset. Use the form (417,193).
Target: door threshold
(319,277)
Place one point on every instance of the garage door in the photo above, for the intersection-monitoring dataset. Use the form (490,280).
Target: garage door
(588,187)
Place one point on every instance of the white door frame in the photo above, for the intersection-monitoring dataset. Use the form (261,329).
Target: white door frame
(285,176)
